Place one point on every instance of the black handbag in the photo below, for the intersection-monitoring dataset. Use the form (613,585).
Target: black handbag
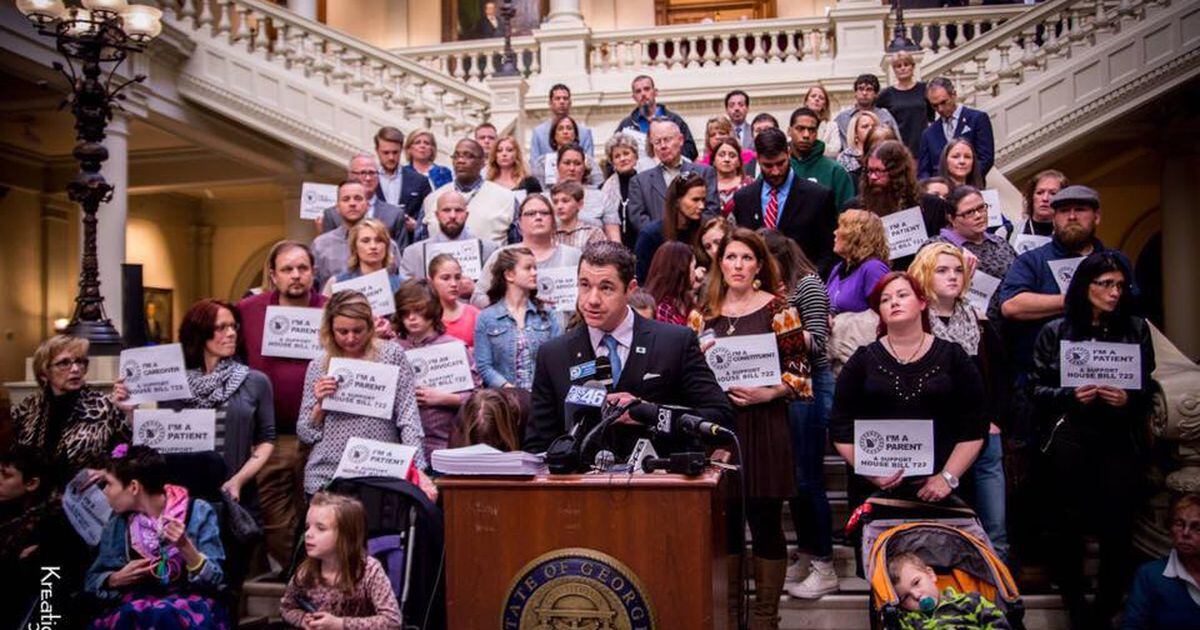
(241,523)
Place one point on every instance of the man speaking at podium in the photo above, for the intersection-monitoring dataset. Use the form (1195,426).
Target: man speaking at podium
(651,361)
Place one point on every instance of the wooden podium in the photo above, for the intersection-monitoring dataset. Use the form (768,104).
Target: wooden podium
(612,551)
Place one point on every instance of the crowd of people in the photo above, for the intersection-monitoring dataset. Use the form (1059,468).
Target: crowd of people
(763,230)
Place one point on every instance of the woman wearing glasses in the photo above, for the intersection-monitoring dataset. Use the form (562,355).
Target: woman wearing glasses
(1162,597)
(986,254)
(1091,437)
(73,425)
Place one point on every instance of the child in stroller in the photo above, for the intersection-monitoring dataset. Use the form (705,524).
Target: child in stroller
(928,609)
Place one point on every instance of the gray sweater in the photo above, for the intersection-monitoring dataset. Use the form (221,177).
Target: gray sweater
(249,419)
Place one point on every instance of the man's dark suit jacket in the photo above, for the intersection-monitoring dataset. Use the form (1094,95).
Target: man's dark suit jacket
(664,367)
(808,216)
(648,194)
(414,187)
(974,126)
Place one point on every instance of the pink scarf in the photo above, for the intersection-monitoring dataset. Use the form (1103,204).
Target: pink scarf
(145,535)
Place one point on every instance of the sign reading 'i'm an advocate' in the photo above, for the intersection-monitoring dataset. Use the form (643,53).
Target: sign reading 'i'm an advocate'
(292,332)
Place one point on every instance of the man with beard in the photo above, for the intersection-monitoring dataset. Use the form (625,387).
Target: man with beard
(809,161)
(451,217)
(490,206)
(280,482)
(889,185)
(1031,295)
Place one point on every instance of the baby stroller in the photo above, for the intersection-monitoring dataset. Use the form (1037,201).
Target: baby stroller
(950,539)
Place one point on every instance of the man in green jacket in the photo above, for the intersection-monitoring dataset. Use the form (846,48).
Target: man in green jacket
(809,161)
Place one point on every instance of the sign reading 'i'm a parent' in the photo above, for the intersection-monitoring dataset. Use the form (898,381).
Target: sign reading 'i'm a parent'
(292,332)
(377,289)
(154,373)
(365,388)
(1100,363)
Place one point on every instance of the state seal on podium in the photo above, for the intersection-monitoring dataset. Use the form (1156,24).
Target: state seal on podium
(577,588)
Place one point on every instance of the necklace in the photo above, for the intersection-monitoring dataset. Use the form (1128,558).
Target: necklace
(733,321)
(911,356)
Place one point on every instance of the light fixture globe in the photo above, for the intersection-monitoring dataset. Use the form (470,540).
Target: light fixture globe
(141,23)
(42,12)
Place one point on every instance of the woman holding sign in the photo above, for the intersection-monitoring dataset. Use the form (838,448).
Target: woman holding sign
(509,332)
(1092,426)
(370,251)
(419,323)
(742,299)
(989,255)
(908,374)
(941,269)
(348,332)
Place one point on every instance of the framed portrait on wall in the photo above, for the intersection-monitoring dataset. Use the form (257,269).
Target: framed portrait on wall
(159,316)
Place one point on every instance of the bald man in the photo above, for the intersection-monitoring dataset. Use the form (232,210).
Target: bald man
(491,207)
(451,215)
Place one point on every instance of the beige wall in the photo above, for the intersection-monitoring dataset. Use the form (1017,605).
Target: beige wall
(801,8)
(388,23)
(603,15)
(243,228)
(158,236)
(21,292)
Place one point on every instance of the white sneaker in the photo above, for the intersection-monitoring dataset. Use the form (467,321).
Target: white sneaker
(798,567)
(822,580)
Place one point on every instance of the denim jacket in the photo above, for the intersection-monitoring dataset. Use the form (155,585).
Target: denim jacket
(496,341)
(115,552)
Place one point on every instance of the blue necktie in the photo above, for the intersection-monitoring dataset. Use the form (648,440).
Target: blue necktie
(614,359)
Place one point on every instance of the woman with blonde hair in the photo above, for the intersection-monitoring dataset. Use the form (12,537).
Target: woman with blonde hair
(421,149)
(857,133)
(348,331)
(716,129)
(817,99)
(942,272)
(370,251)
(506,166)
(905,100)
(743,298)
(861,244)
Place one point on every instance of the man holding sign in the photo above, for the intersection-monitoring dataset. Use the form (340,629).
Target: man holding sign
(1032,293)
(453,237)
(290,295)
(1092,387)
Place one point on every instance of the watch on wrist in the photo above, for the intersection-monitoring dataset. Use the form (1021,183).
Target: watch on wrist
(951,480)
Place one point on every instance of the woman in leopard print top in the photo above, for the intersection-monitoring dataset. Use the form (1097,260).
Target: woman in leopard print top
(74,425)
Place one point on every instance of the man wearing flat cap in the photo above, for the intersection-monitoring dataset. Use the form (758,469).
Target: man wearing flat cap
(1032,291)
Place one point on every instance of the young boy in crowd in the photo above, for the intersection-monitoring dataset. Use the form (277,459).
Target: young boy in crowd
(927,609)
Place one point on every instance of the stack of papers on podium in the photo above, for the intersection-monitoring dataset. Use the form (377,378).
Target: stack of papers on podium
(482,459)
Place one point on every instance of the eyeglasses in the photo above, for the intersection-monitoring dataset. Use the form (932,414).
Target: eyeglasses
(974,212)
(66,364)
(1186,526)
(876,172)
(1109,285)
(536,213)
(226,327)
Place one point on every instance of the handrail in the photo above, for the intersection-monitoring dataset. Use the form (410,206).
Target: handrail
(713,28)
(986,42)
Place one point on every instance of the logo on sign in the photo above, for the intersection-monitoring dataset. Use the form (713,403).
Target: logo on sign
(280,324)
(1079,356)
(132,372)
(719,357)
(577,588)
(871,442)
(358,454)
(1065,275)
(419,365)
(343,376)
(545,286)
(151,433)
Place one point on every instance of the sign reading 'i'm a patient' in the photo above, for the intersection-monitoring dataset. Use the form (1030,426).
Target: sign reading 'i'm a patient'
(1100,363)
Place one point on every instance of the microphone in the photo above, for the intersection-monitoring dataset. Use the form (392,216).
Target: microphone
(690,464)
(699,426)
(605,459)
(670,419)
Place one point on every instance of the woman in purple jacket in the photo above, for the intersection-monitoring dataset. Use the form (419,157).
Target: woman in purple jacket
(861,243)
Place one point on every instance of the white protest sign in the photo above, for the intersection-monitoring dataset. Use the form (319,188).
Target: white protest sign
(519,195)
(745,361)
(315,198)
(1027,242)
(154,373)
(550,168)
(88,510)
(881,447)
(983,287)
(376,287)
(1063,270)
(372,458)
(467,252)
(995,212)
(559,285)
(365,388)
(1100,363)
(167,431)
(905,232)
(292,332)
(442,366)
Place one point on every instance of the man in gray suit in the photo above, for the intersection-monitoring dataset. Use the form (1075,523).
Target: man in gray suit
(648,189)
(737,108)
(364,170)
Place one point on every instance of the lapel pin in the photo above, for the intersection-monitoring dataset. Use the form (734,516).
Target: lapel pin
(640,349)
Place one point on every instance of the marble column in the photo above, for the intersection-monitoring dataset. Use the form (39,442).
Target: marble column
(565,12)
(111,219)
(202,248)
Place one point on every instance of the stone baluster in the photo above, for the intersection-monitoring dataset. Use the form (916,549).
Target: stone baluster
(1005,70)
(259,35)
(242,30)
(355,70)
(336,53)
(678,56)
(284,44)
(535,60)
(789,52)
(224,16)
(487,66)
(693,54)
(742,56)
(709,57)
(186,12)
(205,18)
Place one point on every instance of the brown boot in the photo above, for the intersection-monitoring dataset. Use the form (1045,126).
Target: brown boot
(768,586)
(733,565)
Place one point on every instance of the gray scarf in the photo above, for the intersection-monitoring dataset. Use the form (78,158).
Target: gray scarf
(962,329)
(215,388)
